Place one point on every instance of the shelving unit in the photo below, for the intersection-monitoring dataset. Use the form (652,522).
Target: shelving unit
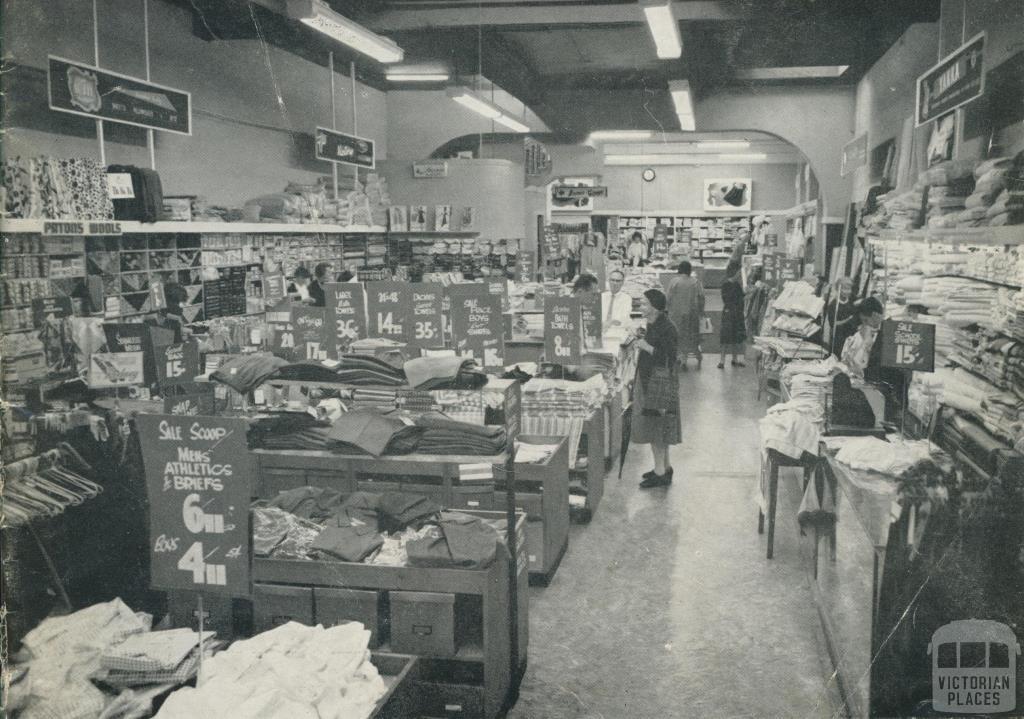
(710,235)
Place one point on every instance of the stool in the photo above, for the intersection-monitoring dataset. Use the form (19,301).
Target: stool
(775,460)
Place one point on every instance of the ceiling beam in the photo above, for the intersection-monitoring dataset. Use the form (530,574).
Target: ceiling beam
(555,13)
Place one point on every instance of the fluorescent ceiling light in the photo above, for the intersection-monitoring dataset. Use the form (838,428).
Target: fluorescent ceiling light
(320,17)
(680,92)
(416,77)
(661,19)
(687,123)
(470,101)
(621,135)
(650,160)
(512,123)
(808,72)
(722,145)
(744,156)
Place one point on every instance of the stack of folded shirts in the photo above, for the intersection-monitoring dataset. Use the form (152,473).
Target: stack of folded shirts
(442,435)
(789,348)
(796,324)
(798,297)
(165,657)
(563,397)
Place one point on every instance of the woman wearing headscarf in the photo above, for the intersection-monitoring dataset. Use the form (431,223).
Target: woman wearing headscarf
(659,428)
(733,332)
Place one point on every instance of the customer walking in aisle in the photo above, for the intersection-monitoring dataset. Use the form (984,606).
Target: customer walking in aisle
(685,308)
(733,333)
(656,389)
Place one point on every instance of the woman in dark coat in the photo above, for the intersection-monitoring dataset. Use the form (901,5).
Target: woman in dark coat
(733,332)
(656,427)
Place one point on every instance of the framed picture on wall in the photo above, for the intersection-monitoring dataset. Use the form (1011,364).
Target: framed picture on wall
(398,218)
(941,139)
(728,195)
(418,218)
(442,218)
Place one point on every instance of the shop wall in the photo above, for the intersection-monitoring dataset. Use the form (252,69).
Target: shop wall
(680,187)
(254,105)
(1003,24)
(493,187)
(886,94)
(817,120)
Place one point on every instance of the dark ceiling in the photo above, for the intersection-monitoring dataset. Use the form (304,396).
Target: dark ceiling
(582,65)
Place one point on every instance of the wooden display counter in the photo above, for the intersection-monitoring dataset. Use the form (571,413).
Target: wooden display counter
(486,658)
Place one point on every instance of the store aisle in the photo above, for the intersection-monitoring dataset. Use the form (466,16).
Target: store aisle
(664,606)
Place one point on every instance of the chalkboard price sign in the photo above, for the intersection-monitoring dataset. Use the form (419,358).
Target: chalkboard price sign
(198,472)
(908,345)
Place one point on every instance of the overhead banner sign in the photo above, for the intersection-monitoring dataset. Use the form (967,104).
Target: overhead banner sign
(345,315)
(563,330)
(334,146)
(81,89)
(908,345)
(198,472)
(565,193)
(855,154)
(955,80)
(429,169)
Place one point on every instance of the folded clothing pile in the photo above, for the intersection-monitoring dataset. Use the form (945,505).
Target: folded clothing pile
(441,435)
(64,653)
(892,457)
(990,182)
(563,397)
(798,297)
(289,671)
(789,348)
(165,657)
(56,188)
(792,428)
(431,373)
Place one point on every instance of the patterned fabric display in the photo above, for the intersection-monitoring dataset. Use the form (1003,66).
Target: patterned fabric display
(56,189)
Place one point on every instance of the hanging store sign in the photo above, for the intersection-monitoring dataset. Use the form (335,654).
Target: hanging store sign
(198,473)
(345,315)
(477,325)
(387,304)
(855,154)
(86,90)
(954,81)
(429,169)
(563,330)
(568,194)
(908,345)
(425,325)
(344,149)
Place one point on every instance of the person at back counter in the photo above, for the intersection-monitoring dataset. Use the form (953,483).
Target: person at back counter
(616,307)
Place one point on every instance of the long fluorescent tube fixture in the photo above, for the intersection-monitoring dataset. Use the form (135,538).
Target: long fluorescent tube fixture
(687,123)
(677,159)
(805,72)
(664,27)
(744,156)
(320,17)
(512,123)
(482,107)
(471,102)
(680,92)
(602,135)
(416,76)
(722,145)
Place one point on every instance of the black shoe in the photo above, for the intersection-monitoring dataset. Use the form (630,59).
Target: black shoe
(652,473)
(658,480)
(721,365)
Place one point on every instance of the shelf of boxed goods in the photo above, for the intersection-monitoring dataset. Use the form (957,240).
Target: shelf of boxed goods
(36,226)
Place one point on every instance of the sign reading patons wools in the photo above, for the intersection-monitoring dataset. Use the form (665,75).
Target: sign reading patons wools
(477,324)
(908,345)
(387,304)
(345,315)
(425,327)
(563,330)
(86,90)
(198,472)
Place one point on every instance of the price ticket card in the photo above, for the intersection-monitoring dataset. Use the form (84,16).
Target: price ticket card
(310,334)
(387,304)
(198,474)
(908,345)
(346,315)
(425,324)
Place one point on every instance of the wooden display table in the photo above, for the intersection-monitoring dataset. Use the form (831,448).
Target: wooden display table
(481,674)
(590,479)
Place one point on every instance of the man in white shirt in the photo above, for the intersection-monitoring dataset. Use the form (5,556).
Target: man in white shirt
(616,307)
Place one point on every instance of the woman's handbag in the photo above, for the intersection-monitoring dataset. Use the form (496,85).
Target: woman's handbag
(661,391)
